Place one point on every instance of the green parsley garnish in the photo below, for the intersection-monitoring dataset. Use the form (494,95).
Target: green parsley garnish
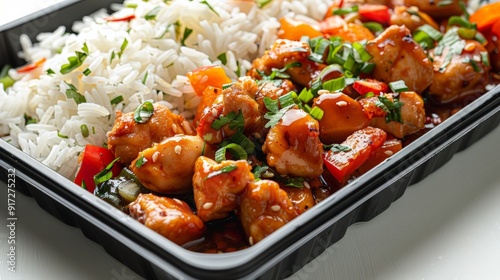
(143,112)
(72,92)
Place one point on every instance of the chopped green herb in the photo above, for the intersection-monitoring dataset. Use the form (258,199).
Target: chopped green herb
(317,113)
(398,86)
(50,72)
(209,6)
(112,56)
(234,120)
(295,182)
(262,3)
(116,100)
(339,148)
(140,161)
(392,108)
(222,57)
(288,99)
(151,15)
(122,47)
(345,11)
(72,92)
(28,119)
(236,150)
(85,130)
(334,85)
(61,135)
(485,59)
(228,85)
(143,112)
(225,169)
(106,173)
(87,72)
(74,62)
(258,170)
(187,32)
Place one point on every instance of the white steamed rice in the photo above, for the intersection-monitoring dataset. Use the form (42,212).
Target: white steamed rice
(152,67)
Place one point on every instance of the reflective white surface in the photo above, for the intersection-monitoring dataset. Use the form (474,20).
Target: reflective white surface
(445,227)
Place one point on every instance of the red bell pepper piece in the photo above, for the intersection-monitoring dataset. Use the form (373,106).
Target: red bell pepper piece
(370,85)
(375,12)
(32,66)
(94,159)
(120,18)
(353,152)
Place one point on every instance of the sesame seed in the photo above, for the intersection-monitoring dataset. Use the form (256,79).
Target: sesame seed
(341,103)
(178,149)
(276,208)
(389,153)
(215,112)
(208,205)
(178,201)
(250,240)
(174,127)
(306,184)
(323,91)
(415,18)
(155,156)
(470,47)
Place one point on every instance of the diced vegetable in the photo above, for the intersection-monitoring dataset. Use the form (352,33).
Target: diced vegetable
(389,148)
(366,86)
(342,116)
(205,76)
(375,12)
(294,30)
(342,164)
(93,160)
(487,17)
(32,66)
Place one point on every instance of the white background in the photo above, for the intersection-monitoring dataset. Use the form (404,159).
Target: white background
(445,227)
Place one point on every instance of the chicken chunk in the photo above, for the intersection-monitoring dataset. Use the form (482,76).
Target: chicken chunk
(282,53)
(217,186)
(293,146)
(301,198)
(411,17)
(398,57)
(412,114)
(459,75)
(159,169)
(237,105)
(264,209)
(127,137)
(169,217)
(435,9)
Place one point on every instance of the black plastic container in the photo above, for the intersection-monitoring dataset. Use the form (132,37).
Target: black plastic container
(277,256)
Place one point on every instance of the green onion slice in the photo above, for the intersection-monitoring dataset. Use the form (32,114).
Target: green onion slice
(235,150)
(143,112)
(398,86)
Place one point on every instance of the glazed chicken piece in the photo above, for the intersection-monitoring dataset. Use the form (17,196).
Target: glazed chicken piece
(398,57)
(412,114)
(301,198)
(168,167)
(240,97)
(282,53)
(459,78)
(169,217)
(293,146)
(217,186)
(435,9)
(127,137)
(264,209)
(411,17)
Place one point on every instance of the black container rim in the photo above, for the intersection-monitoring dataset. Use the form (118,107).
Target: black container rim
(255,260)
